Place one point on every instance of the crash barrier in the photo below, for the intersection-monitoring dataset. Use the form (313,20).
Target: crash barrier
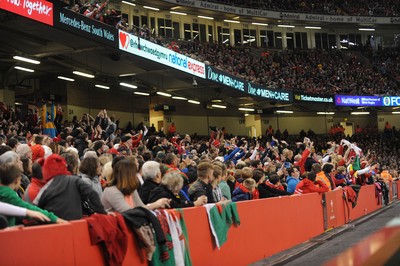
(268,226)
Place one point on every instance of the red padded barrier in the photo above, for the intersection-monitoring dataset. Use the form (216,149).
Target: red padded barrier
(366,202)
(267,226)
(37,245)
(86,254)
(336,209)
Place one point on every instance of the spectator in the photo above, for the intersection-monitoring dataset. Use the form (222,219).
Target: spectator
(63,193)
(292,179)
(121,194)
(244,191)
(310,185)
(151,174)
(170,187)
(10,176)
(202,186)
(90,169)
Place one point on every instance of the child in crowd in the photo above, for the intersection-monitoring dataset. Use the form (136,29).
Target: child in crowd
(244,191)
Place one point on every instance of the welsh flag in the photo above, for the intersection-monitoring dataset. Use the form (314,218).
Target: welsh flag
(221,217)
(356,164)
(176,251)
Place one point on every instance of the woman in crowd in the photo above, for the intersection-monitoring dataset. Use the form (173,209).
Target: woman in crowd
(90,171)
(121,193)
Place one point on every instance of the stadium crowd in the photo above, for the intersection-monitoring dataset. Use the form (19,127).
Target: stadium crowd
(312,71)
(315,71)
(102,168)
(352,8)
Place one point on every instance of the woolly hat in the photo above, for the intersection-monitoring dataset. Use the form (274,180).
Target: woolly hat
(53,166)
(37,152)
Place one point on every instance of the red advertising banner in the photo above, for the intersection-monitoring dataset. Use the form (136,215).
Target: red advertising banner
(39,10)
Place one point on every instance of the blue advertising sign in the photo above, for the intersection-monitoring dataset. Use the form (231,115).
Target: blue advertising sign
(355,100)
(391,101)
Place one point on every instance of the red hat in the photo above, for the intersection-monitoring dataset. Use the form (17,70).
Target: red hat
(37,152)
(53,166)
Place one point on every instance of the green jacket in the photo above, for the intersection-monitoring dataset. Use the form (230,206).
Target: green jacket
(8,195)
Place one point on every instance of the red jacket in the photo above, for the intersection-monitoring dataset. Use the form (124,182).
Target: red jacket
(302,161)
(111,232)
(307,186)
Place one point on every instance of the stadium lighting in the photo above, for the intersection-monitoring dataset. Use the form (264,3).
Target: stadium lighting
(86,75)
(152,8)
(286,26)
(128,85)
(141,93)
(102,87)
(65,78)
(218,106)
(177,13)
(325,113)
(205,17)
(312,28)
(163,94)
(193,101)
(127,75)
(28,60)
(359,113)
(128,3)
(259,24)
(246,109)
(231,21)
(179,98)
(24,69)
(283,112)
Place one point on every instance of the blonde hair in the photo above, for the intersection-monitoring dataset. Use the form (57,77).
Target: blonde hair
(247,172)
(203,169)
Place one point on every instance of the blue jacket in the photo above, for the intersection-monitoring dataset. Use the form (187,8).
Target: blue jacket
(291,184)
(239,194)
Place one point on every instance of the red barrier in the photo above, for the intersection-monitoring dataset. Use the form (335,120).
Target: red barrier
(44,245)
(366,202)
(336,209)
(267,227)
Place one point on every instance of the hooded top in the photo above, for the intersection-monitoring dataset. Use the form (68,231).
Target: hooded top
(53,166)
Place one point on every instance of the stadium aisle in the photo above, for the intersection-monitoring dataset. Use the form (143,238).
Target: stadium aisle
(327,249)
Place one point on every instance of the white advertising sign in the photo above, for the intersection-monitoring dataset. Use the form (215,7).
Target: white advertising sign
(146,49)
